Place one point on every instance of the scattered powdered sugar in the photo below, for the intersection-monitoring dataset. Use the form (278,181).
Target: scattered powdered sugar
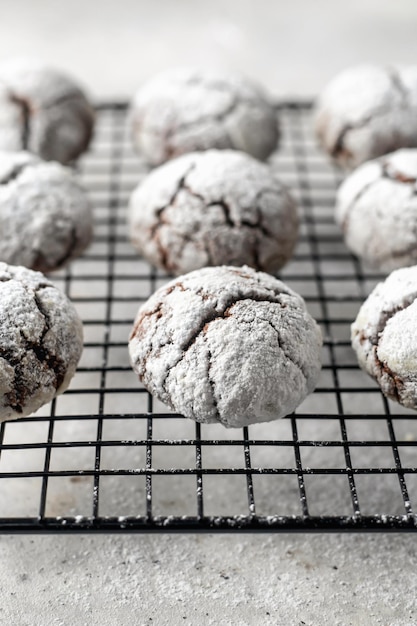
(210,580)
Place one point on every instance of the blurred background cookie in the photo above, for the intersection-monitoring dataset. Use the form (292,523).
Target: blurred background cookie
(384,336)
(376,207)
(45,216)
(184,110)
(44,111)
(367,111)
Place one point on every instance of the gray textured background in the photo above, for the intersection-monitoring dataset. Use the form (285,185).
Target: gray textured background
(294,47)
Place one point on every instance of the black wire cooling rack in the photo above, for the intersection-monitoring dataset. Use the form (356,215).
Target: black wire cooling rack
(105,456)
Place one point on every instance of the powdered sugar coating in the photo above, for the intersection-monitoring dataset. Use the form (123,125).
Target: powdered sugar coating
(184,110)
(376,207)
(227,345)
(367,111)
(44,111)
(384,336)
(213,208)
(40,341)
(45,216)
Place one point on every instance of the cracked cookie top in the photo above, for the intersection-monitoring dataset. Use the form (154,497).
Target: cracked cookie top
(43,111)
(213,208)
(367,111)
(40,341)
(45,216)
(376,207)
(184,110)
(384,336)
(227,345)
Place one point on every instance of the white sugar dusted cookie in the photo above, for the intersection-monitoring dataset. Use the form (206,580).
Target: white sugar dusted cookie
(45,216)
(219,207)
(184,110)
(376,208)
(367,111)
(227,345)
(384,336)
(41,341)
(44,111)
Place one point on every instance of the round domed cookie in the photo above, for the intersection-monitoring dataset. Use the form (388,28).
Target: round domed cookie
(219,207)
(226,344)
(384,336)
(186,110)
(45,216)
(367,111)
(44,111)
(41,341)
(376,207)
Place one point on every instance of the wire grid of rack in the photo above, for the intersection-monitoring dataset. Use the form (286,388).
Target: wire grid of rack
(105,456)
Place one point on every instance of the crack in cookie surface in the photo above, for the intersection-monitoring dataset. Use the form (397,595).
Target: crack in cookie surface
(210,85)
(205,323)
(210,117)
(212,384)
(26,112)
(24,386)
(14,173)
(395,175)
(197,236)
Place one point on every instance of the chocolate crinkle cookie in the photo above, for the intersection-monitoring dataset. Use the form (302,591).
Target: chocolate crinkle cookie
(384,336)
(219,207)
(376,208)
(44,111)
(367,111)
(40,341)
(45,216)
(185,110)
(227,345)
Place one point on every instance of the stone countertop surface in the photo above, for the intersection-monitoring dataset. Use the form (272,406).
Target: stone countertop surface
(292,580)
(282,580)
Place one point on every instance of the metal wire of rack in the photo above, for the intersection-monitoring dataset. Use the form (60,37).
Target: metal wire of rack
(106,457)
